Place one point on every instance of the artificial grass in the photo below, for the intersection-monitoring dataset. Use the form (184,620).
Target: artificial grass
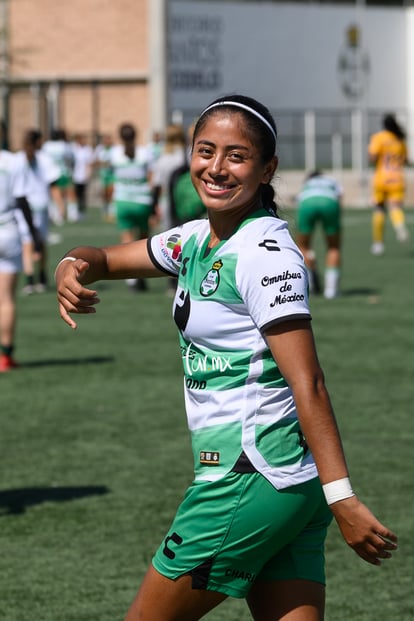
(96,454)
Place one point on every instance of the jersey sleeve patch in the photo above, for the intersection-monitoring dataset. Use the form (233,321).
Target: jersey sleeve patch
(166,250)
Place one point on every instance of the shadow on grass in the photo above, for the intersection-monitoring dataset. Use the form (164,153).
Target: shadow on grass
(354,292)
(16,501)
(55,362)
(360,291)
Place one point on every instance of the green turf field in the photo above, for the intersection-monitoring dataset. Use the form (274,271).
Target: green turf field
(95,453)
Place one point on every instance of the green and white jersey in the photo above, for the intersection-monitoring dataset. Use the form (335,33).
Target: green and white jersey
(60,153)
(10,180)
(236,398)
(13,225)
(131,183)
(320,186)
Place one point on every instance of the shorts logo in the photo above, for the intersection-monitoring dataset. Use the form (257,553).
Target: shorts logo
(246,576)
(210,458)
(211,280)
(175,538)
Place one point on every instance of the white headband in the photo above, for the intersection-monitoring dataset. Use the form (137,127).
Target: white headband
(241,105)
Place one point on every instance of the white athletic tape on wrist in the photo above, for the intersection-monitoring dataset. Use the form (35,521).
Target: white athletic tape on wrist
(337,490)
(65,259)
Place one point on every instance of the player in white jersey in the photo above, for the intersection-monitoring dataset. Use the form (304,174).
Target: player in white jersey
(59,150)
(15,222)
(269,465)
(41,176)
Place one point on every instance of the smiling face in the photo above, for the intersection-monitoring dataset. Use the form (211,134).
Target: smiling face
(226,166)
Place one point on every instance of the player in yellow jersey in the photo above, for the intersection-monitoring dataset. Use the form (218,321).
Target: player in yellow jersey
(387,150)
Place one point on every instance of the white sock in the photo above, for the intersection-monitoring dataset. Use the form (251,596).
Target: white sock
(331,282)
(73,212)
(54,213)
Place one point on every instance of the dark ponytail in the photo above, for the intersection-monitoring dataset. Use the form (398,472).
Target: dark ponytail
(268,197)
(391,124)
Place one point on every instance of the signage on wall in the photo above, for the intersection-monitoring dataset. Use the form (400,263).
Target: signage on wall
(195,52)
(353,65)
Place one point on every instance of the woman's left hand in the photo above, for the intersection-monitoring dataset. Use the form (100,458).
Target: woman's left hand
(361,530)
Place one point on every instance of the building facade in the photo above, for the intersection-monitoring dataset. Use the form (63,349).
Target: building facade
(83,65)
(327,70)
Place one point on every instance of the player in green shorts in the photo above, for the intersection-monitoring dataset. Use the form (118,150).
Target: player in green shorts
(64,181)
(102,157)
(269,468)
(59,150)
(106,177)
(246,540)
(319,202)
(132,167)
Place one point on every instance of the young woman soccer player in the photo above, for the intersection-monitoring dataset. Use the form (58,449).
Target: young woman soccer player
(269,465)
(319,201)
(102,156)
(388,152)
(58,149)
(16,224)
(132,168)
(41,175)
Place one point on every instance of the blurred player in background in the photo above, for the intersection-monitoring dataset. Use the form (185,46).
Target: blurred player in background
(320,202)
(102,162)
(156,144)
(40,177)
(173,155)
(82,170)
(15,222)
(387,150)
(59,150)
(132,166)
(185,203)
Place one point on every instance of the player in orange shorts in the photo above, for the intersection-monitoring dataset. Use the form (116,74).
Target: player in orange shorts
(388,151)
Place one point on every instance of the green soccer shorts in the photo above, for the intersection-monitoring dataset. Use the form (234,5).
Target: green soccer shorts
(64,181)
(232,532)
(132,216)
(319,209)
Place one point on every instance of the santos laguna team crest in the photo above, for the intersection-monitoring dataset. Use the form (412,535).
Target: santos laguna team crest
(211,280)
